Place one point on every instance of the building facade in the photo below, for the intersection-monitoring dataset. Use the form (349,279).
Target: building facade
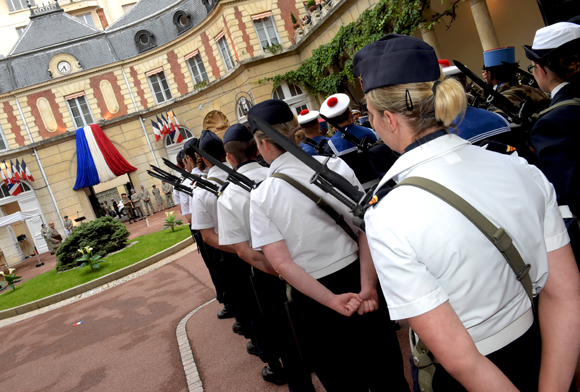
(198,58)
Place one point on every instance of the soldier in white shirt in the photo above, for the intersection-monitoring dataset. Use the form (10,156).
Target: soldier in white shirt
(330,280)
(437,269)
(234,229)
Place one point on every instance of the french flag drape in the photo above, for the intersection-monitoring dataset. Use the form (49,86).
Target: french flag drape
(97,159)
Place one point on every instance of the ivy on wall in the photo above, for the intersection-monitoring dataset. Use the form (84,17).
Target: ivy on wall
(329,70)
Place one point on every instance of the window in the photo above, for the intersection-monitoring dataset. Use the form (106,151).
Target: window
(80,110)
(4,192)
(266,30)
(225,52)
(185,134)
(244,106)
(144,40)
(16,5)
(3,143)
(182,20)
(159,85)
(196,67)
(86,19)
(20,31)
(293,95)
(127,7)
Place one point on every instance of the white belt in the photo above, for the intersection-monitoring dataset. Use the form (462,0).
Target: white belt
(334,267)
(506,335)
(565,211)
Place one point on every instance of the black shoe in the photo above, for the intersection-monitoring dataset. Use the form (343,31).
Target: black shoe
(130,222)
(278,377)
(237,328)
(225,313)
(251,349)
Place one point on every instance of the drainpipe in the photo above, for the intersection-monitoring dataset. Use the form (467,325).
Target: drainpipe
(35,154)
(140,118)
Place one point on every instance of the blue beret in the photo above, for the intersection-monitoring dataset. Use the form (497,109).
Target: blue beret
(212,144)
(238,133)
(395,59)
(273,111)
(191,142)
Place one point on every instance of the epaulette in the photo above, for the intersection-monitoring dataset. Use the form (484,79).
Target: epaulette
(382,192)
(499,147)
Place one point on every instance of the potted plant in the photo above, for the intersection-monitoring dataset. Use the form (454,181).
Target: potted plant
(88,259)
(295,23)
(11,279)
(311,4)
(171,221)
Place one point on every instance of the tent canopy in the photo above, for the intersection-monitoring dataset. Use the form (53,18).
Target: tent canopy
(19,216)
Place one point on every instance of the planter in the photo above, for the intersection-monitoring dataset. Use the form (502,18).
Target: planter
(312,8)
(296,26)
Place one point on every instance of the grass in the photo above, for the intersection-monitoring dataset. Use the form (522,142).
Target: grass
(51,283)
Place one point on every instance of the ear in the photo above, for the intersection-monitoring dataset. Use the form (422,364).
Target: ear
(207,163)
(391,120)
(231,159)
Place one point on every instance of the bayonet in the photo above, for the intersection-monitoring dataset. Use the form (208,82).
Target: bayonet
(177,185)
(198,180)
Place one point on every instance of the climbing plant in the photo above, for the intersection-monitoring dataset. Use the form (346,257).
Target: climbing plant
(329,69)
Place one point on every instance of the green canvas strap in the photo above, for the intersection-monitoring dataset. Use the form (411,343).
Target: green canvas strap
(568,102)
(216,180)
(422,356)
(319,201)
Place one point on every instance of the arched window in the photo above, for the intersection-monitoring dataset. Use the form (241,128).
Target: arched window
(293,95)
(244,105)
(4,192)
(185,134)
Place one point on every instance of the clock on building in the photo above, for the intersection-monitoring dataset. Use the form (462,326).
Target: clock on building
(64,67)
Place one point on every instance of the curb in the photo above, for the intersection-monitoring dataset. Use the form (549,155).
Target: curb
(194,383)
(50,300)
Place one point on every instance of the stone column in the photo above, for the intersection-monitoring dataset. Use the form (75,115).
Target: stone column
(429,35)
(484,24)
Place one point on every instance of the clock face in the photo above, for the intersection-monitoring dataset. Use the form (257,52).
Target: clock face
(64,67)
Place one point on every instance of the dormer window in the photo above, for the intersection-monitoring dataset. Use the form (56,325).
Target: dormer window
(144,40)
(183,21)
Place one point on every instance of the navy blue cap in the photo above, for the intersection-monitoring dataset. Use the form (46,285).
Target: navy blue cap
(212,144)
(238,133)
(191,142)
(273,111)
(401,59)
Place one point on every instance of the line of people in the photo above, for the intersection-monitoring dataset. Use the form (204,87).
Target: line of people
(468,245)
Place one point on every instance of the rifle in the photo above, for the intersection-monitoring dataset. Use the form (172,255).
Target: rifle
(361,145)
(518,115)
(319,147)
(233,176)
(324,178)
(170,179)
(198,180)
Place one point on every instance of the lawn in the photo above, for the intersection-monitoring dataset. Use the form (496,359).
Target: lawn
(51,283)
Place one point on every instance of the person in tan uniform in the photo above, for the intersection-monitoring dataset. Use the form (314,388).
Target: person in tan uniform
(52,238)
(136,199)
(168,190)
(158,199)
(146,198)
(68,225)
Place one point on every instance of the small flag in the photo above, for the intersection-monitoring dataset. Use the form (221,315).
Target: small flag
(25,170)
(176,134)
(156,130)
(21,170)
(79,323)
(160,125)
(4,177)
(165,125)
(15,172)
(14,189)
(10,176)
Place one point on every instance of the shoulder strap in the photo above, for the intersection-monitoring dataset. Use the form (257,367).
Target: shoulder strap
(319,201)
(568,102)
(216,180)
(497,236)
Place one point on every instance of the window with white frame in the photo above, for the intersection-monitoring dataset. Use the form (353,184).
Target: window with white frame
(80,110)
(159,85)
(293,95)
(196,67)
(16,5)
(225,51)
(3,143)
(20,30)
(266,29)
(86,19)
(185,134)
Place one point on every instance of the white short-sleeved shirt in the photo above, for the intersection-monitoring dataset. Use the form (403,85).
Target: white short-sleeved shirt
(204,203)
(176,196)
(426,252)
(278,211)
(234,207)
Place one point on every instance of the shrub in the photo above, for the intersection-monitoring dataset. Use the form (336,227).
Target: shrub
(311,3)
(106,234)
(293,18)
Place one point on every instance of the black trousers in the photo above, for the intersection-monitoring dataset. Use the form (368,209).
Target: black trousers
(357,353)
(207,254)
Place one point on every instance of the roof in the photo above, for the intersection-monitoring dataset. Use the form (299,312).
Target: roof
(141,10)
(62,28)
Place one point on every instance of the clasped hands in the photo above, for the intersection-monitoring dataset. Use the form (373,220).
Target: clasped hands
(364,302)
